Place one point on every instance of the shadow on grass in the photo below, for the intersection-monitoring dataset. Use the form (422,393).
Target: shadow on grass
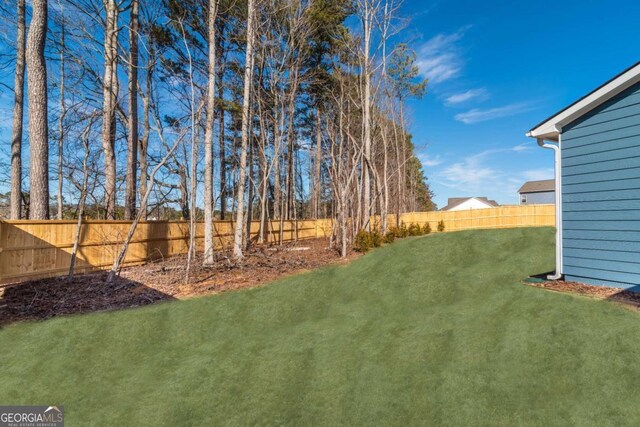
(47,298)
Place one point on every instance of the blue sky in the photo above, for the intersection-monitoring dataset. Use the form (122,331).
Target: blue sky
(498,68)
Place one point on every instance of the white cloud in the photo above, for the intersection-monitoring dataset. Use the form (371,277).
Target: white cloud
(428,161)
(439,58)
(523,147)
(477,115)
(470,175)
(459,98)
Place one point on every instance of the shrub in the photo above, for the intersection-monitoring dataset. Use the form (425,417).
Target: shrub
(426,229)
(441,226)
(398,232)
(414,230)
(363,241)
(376,238)
(403,231)
(390,236)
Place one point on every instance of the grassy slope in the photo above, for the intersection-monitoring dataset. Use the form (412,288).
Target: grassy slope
(434,329)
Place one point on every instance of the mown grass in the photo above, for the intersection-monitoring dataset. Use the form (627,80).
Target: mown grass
(433,330)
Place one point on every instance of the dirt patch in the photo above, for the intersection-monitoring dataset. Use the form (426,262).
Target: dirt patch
(161,281)
(619,295)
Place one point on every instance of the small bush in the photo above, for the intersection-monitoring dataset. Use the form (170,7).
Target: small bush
(363,241)
(441,226)
(376,238)
(426,229)
(403,231)
(415,230)
(390,236)
(398,232)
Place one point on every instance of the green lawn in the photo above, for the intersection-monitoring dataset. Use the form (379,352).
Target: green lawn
(433,330)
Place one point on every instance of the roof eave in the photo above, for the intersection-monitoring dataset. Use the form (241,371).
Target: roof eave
(546,134)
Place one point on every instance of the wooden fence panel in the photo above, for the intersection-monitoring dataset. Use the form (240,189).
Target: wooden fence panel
(499,217)
(36,249)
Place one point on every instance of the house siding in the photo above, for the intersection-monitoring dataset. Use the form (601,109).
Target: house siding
(601,194)
(540,198)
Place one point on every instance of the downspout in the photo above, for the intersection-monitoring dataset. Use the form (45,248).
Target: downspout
(558,191)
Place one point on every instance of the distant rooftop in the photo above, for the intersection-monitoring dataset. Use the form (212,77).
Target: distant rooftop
(455,201)
(538,186)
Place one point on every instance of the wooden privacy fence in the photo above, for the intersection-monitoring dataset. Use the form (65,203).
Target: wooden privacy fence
(499,217)
(37,249)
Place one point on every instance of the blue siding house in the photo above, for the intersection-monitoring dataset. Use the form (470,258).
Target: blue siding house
(596,141)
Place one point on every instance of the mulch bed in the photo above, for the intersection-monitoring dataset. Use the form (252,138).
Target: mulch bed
(160,281)
(619,295)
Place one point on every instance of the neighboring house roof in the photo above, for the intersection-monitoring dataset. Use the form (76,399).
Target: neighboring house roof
(538,186)
(550,128)
(456,201)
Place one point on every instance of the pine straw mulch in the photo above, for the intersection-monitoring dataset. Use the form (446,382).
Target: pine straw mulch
(619,295)
(161,280)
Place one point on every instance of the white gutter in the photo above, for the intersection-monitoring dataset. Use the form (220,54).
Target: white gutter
(558,190)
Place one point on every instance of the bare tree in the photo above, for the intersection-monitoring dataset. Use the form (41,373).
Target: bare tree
(367,11)
(18,115)
(193,113)
(132,146)
(110,93)
(246,102)
(63,112)
(143,145)
(317,165)
(208,138)
(38,109)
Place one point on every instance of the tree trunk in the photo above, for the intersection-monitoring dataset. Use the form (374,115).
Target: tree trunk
(38,123)
(403,168)
(366,118)
(264,180)
(63,113)
(246,123)
(144,141)
(208,139)
(384,205)
(291,137)
(184,193)
(249,218)
(277,187)
(221,134)
(109,106)
(18,116)
(132,143)
(396,140)
(195,138)
(317,185)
